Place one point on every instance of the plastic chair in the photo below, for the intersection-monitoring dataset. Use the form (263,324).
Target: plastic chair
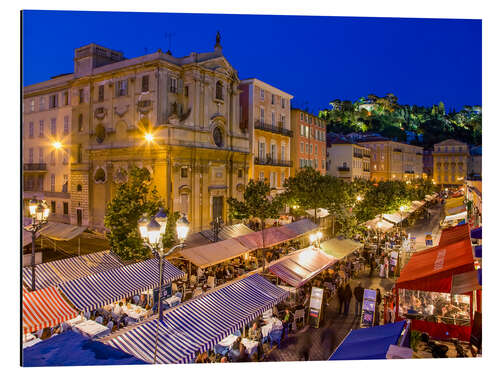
(99,319)
(237,333)
(178,294)
(136,300)
(87,315)
(110,325)
(275,337)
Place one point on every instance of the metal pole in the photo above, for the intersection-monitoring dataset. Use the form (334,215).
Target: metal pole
(78,245)
(33,233)
(160,305)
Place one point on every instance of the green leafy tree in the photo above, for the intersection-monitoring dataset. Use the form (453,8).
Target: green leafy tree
(257,204)
(134,198)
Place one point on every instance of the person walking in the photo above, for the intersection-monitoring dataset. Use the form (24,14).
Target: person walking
(347,298)
(378,300)
(372,265)
(358,294)
(340,296)
(305,344)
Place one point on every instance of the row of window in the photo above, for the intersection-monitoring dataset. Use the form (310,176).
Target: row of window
(273,178)
(53,127)
(282,118)
(41,158)
(307,131)
(29,183)
(184,172)
(311,119)
(53,101)
(309,149)
(273,151)
(452,149)
(275,99)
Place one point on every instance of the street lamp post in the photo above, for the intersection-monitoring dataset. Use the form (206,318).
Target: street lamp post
(39,212)
(152,232)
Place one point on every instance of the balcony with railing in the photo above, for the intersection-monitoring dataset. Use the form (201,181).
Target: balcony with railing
(35,167)
(343,169)
(268,160)
(358,155)
(279,129)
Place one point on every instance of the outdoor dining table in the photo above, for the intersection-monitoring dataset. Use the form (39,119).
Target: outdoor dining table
(77,320)
(172,301)
(91,329)
(250,345)
(271,325)
(135,312)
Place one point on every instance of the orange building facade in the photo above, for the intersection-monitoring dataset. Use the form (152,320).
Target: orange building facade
(308,145)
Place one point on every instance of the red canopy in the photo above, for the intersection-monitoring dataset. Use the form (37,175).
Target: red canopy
(45,308)
(454,234)
(432,269)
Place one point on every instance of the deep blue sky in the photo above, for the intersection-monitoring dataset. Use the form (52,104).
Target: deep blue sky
(316,59)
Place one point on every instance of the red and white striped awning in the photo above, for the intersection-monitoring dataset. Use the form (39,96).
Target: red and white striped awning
(45,308)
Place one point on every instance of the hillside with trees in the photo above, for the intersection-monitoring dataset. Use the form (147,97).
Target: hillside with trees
(384,115)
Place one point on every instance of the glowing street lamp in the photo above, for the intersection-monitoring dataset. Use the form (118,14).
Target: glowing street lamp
(359,198)
(57,145)
(152,232)
(39,212)
(149,137)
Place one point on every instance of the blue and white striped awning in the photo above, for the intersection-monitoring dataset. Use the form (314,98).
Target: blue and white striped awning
(198,325)
(57,272)
(94,291)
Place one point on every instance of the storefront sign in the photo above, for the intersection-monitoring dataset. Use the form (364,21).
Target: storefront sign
(166,292)
(368,311)
(315,306)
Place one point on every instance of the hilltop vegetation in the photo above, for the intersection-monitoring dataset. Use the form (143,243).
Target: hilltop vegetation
(384,115)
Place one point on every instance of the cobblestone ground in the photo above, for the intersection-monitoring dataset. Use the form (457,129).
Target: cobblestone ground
(341,326)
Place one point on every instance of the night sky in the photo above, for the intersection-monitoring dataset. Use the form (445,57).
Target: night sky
(316,59)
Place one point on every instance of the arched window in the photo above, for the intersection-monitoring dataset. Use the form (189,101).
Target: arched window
(79,187)
(100,175)
(218,138)
(218,90)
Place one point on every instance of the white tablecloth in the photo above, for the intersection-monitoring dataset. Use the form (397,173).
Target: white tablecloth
(92,329)
(228,341)
(272,324)
(250,345)
(27,344)
(77,320)
(135,312)
(172,300)
(28,337)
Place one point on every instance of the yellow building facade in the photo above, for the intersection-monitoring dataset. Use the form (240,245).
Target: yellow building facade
(265,112)
(450,162)
(176,116)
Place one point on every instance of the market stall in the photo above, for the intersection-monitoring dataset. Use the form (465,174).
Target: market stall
(45,308)
(301,266)
(451,220)
(73,349)
(227,231)
(200,324)
(214,253)
(60,271)
(91,292)
(339,247)
(370,343)
(454,234)
(379,224)
(423,291)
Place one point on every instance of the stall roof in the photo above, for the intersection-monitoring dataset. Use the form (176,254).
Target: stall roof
(59,271)
(302,227)
(45,308)
(91,292)
(201,323)
(460,216)
(454,234)
(453,202)
(368,343)
(395,218)
(228,231)
(301,266)
(432,269)
(455,210)
(340,247)
(464,283)
(61,231)
(320,213)
(214,253)
(477,233)
(272,236)
(72,349)
(384,225)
